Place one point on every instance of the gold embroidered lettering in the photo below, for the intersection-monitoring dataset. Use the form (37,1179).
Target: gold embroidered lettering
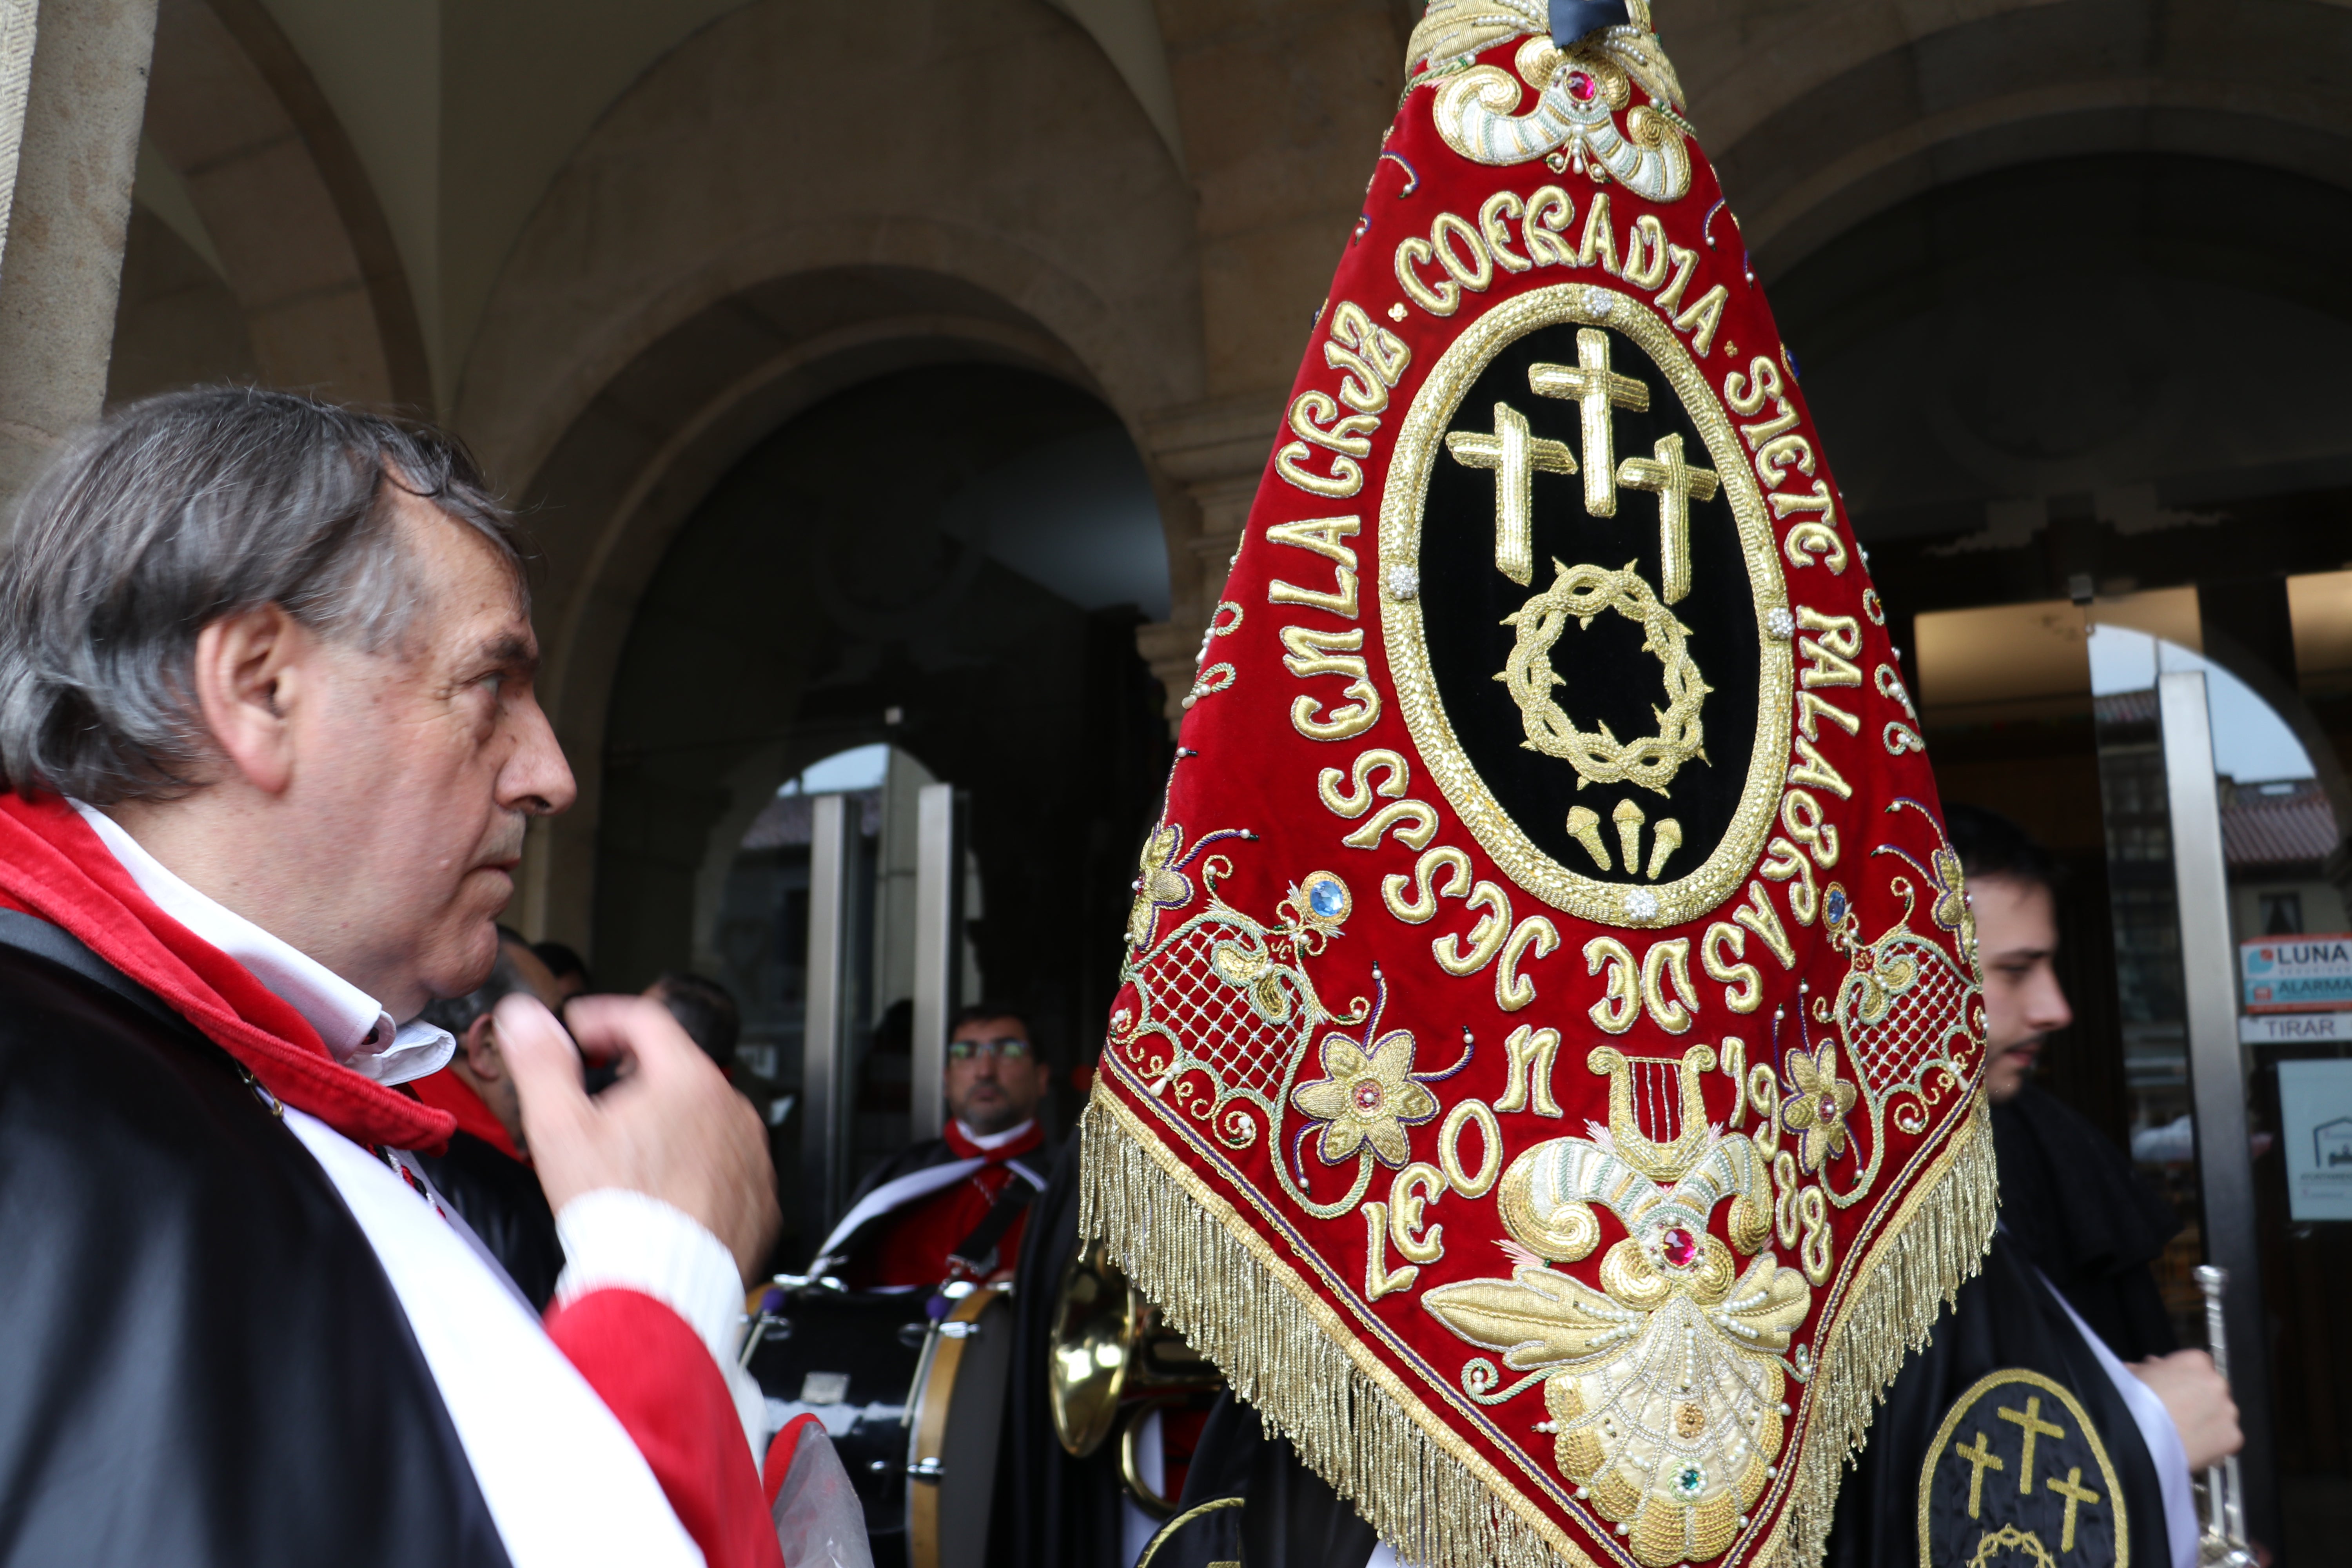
(1527,1080)
(1813,539)
(1513,990)
(1440,299)
(1502,205)
(1812,710)
(1549,212)
(1702,318)
(1417,836)
(1801,814)
(1815,500)
(1351,434)
(1343,723)
(1815,769)
(1485,939)
(1670,299)
(1420,909)
(1668,961)
(1417,1186)
(1743,987)
(1600,244)
(1446,236)
(1490,1157)
(1646,253)
(1324,653)
(1758,916)
(1352,803)
(1379,1279)
(1746,398)
(1782,861)
(1620,1003)
(1830,655)
(1346,478)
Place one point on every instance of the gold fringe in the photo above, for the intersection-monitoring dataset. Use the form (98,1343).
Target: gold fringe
(1433,1498)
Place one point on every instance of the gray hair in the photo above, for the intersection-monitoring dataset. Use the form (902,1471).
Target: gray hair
(179,509)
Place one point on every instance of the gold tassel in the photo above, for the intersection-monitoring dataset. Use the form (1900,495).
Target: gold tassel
(1281,1350)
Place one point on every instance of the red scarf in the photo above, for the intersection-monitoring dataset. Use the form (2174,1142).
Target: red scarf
(53,866)
(445,1090)
(1010,1149)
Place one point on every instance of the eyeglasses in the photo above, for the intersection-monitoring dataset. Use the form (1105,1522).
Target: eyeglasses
(1009,1048)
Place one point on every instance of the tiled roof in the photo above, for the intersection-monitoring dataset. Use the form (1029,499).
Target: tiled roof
(2278,830)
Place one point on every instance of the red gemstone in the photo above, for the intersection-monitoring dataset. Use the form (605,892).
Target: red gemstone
(1680,1247)
(1368,1096)
(1581,86)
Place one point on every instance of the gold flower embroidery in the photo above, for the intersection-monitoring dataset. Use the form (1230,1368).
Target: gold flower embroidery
(1159,886)
(1364,1098)
(1816,1111)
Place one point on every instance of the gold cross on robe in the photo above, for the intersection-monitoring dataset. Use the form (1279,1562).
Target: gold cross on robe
(2030,1418)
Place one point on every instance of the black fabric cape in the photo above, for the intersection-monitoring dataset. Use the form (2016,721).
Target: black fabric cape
(501,1200)
(201,1360)
(1052,1511)
(1289,1517)
(2076,1206)
(2004,1320)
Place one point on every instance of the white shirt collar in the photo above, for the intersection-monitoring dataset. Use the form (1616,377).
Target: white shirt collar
(356,1029)
(994,1140)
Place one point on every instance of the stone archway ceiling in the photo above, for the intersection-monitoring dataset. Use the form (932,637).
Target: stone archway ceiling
(1889,117)
(300,239)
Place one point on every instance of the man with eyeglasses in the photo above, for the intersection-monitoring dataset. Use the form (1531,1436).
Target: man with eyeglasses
(952,1208)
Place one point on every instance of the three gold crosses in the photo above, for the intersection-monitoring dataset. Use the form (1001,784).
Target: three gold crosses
(1981,1459)
(1515,456)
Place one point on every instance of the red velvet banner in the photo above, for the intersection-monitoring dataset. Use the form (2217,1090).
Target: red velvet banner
(1544,1076)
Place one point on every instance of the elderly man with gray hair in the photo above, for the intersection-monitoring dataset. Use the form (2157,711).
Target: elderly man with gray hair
(270,748)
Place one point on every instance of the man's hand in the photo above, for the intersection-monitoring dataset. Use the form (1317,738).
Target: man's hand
(672,1128)
(2198,1399)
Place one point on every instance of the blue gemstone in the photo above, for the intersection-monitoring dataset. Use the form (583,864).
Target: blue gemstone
(1327,898)
(1837,906)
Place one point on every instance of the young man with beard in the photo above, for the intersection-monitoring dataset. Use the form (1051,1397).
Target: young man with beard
(953,1207)
(270,746)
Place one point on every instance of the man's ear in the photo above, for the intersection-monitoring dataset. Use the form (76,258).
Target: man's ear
(480,1048)
(249,674)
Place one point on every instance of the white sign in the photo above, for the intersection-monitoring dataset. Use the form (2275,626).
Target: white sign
(2291,974)
(2316,1130)
(2293,1028)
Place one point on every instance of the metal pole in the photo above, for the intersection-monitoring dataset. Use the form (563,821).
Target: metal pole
(939,949)
(2217,1062)
(825,1075)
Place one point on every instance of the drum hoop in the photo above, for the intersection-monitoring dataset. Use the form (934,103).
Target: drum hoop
(935,1376)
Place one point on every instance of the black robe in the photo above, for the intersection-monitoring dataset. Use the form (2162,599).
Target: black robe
(2074,1206)
(502,1202)
(201,1360)
(2006,1324)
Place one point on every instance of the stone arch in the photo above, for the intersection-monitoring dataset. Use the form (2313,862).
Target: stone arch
(1003,198)
(1867,116)
(303,243)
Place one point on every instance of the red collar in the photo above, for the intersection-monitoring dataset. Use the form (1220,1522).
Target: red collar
(53,866)
(1034,1137)
(445,1090)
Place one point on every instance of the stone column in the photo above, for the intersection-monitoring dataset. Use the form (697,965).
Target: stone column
(84,94)
(1283,107)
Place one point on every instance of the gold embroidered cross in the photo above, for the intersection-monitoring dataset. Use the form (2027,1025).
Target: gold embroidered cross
(2075,1493)
(1980,1459)
(1594,388)
(2030,1418)
(1677,484)
(1516,456)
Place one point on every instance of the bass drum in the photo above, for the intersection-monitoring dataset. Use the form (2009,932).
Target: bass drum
(850,1359)
(956,1421)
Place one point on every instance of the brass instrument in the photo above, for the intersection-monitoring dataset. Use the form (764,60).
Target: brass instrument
(1113,1360)
(2223,1542)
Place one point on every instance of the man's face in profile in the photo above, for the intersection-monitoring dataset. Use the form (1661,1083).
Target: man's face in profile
(2017,937)
(432,758)
(993,1078)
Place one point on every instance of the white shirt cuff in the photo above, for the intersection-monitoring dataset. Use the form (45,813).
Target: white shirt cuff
(617,1240)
